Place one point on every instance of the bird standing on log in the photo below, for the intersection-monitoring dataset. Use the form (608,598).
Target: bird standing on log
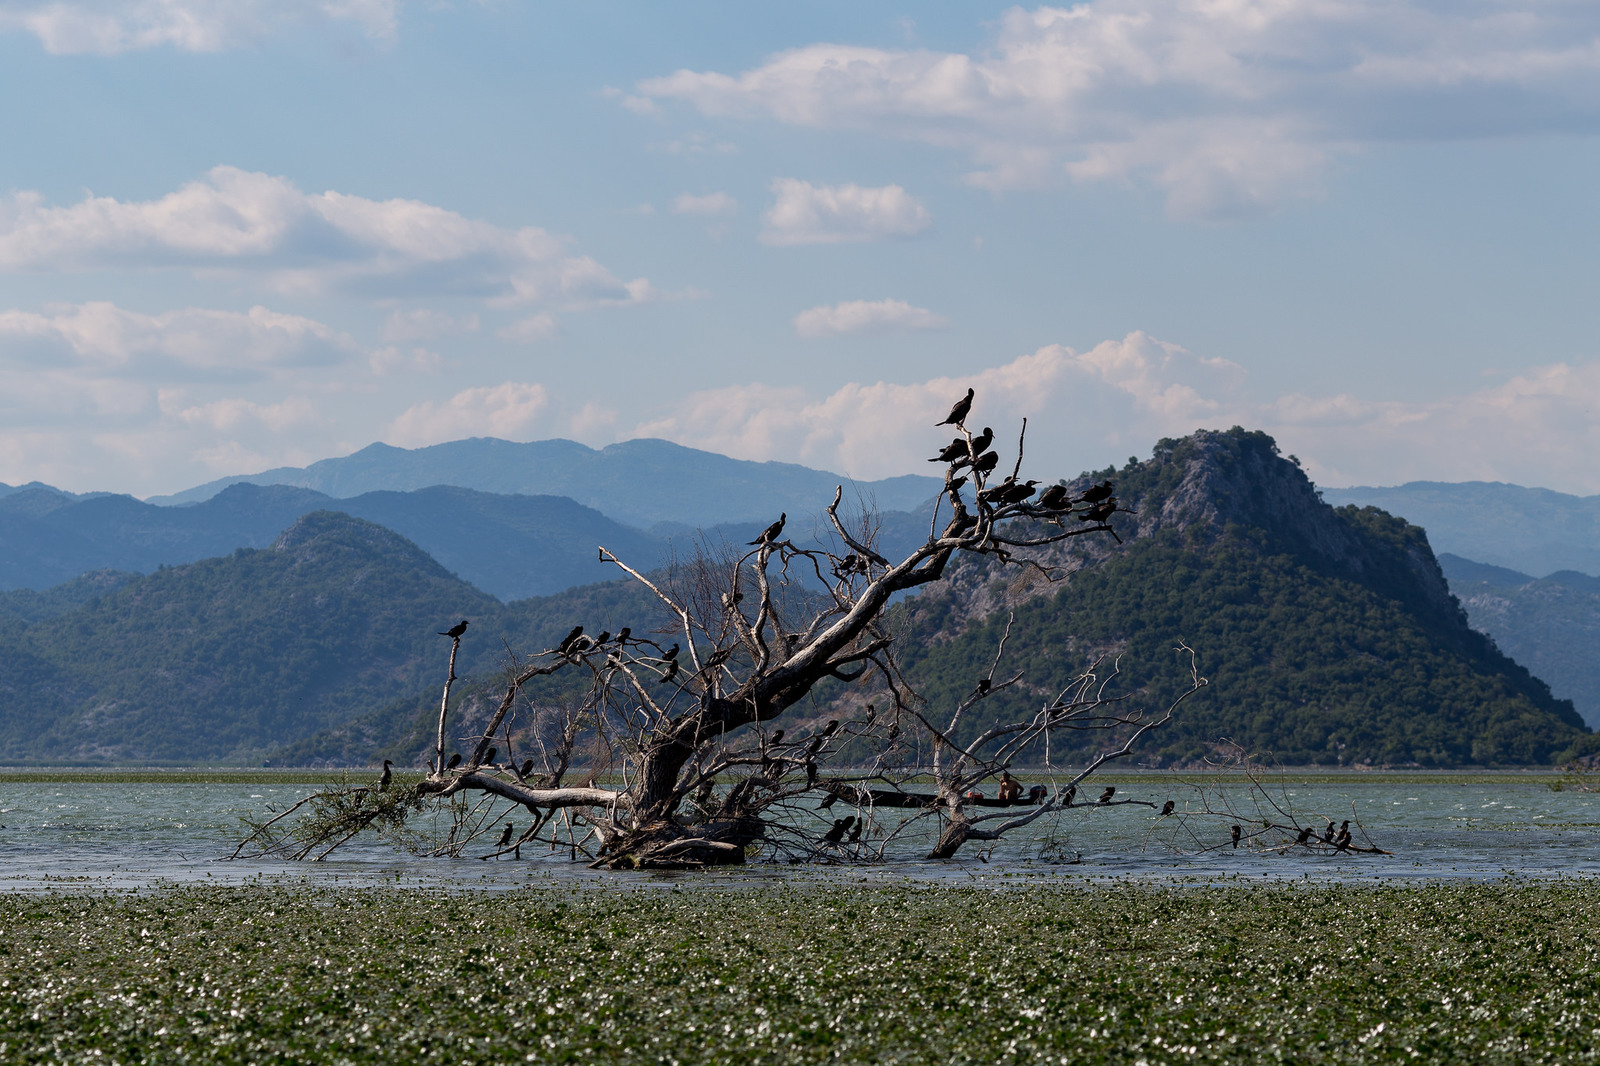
(958,413)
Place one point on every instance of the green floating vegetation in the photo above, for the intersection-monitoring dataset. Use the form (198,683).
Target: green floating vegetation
(1504,972)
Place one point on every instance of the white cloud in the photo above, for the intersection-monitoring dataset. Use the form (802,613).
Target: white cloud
(423,324)
(1228,107)
(511,410)
(242,223)
(107,27)
(716,203)
(803,213)
(864,316)
(531,330)
(104,340)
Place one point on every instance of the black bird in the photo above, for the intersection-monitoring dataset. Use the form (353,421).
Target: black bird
(626,632)
(1036,794)
(777,737)
(951,452)
(983,686)
(958,413)
(811,774)
(1342,841)
(1105,797)
(815,745)
(670,654)
(772,532)
(527,768)
(489,755)
(1099,512)
(855,830)
(954,487)
(672,671)
(455,630)
(455,761)
(981,441)
(1096,493)
(1235,836)
(1018,492)
(505,838)
(570,639)
(1054,498)
(872,712)
(986,462)
(832,727)
(388,775)
(1068,795)
(605,635)
(1327,835)
(840,825)
(1167,808)
(1305,835)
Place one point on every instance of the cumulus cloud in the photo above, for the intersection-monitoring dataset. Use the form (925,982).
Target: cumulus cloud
(194,343)
(803,213)
(864,316)
(1229,108)
(531,330)
(511,410)
(243,223)
(108,27)
(424,324)
(716,203)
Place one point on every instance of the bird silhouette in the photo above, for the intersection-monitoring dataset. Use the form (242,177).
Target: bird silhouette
(840,826)
(489,755)
(456,630)
(670,654)
(1099,512)
(1236,836)
(623,634)
(672,671)
(986,462)
(388,775)
(855,830)
(1096,493)
(951,452)
(1105,797)
(1167,808)
(777,737)
(984,684)
(570,639)
(455,761)
(960,522)
(1327,835)
(831,728)
(772,532)
(1054,498)
(1068,795)
(605,635)
(527,768)
(505,837)
(1305,835)
(958,413)
(811,774)
(982,441)
(816,744)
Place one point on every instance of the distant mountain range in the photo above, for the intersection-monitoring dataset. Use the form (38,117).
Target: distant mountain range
(1533,531)
(1551,624)
(638,482)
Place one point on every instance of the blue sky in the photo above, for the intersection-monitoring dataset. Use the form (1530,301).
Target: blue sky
(236,235)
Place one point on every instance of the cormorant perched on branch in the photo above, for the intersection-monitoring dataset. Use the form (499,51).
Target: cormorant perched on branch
(984,684)
(986,462)
(811,774)
(1105,797)
(672,671)
(777,737)
(455,761)
(527,768)
(951,452)
(569,639)
(1068,795)
(772,532)
(489,755)
(1096,493)
(1327,836)
(605,635)
(958,413)
(624,634)
(388,775)
(1235,836)
(855,831)
(1167,808)
(960,522)
(982,440)
(1099,512)
(1054,498)
(840,825)
(505,838)
(455,631)
(1305,835)
(670,654)
(831,728)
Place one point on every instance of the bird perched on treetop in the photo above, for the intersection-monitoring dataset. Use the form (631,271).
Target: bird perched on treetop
(570,639)
(981,441)
(1327,835)
(1105,797)
(958,413)
(855,831)
(772,532)
(672,671)
(623,634)
(1098,492)
(1305,835)
(455,631)
(986,462)
(951,452)
(388,775)
(1053,498)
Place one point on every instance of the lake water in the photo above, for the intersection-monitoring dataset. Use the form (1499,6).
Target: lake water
(118,836)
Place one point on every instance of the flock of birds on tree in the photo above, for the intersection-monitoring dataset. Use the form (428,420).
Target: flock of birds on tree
(969,452)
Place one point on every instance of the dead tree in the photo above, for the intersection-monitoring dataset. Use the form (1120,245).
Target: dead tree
(703,739)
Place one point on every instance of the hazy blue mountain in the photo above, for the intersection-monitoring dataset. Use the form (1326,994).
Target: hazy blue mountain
(639,482)
(1551,625)
(1535,531)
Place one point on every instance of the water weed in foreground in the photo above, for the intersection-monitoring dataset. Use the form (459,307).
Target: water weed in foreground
(1488,972)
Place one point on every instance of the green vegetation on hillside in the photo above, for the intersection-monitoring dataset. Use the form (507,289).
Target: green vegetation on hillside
(1503,972)
(1327,636)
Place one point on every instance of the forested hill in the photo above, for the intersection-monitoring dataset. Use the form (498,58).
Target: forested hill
(1328,636)
(227,659)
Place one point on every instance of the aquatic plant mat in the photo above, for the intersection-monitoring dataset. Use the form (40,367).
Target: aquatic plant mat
(1499,972)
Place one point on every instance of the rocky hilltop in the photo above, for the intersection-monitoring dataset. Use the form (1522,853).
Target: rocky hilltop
(1329,635)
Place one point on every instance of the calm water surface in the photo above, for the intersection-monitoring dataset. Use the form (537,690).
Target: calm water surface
(129,836)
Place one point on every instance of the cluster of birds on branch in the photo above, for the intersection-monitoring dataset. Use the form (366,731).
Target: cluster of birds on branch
(972,452)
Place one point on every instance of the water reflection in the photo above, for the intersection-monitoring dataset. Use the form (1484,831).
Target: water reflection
(122,836)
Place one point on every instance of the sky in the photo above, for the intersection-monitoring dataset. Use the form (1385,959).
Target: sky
(240,234)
